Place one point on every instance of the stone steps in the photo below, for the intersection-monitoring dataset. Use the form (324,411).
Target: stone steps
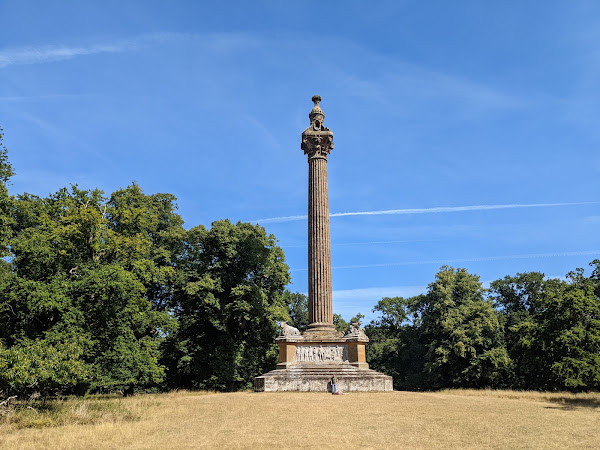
(315,378)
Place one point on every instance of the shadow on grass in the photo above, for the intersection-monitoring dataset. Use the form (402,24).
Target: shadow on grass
(574,403)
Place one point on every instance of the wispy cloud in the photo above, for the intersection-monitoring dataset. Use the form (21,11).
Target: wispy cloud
(46,98)
(49,53)
(463,260)
(414,90)
(43,54)
(221,42)
(443,209)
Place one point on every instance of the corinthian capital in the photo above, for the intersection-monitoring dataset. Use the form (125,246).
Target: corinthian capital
(317,139)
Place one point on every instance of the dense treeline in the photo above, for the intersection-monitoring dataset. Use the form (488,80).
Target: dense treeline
(525,332)
(112,293)
(104,294)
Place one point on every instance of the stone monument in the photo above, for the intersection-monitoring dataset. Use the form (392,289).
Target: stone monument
(307,361)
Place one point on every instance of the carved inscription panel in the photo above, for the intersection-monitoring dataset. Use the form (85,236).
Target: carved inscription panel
(316,353)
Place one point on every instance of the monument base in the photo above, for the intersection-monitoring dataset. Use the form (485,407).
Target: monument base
(307,363)
(306,377)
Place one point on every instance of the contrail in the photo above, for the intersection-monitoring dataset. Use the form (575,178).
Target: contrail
(441,209)
(462,260)
(338,244)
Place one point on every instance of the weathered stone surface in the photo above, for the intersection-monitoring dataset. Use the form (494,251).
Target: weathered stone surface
(321,353)
(289,331)
(310,378)
(355,332)
(348,350)
(317,143)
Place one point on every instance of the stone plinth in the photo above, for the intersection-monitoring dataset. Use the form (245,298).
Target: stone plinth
(321,351)
(306,363)
(305,377)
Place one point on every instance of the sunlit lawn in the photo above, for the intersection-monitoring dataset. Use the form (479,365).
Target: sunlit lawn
(447,419)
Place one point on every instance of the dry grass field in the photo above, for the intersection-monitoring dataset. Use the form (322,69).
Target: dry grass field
(447,419)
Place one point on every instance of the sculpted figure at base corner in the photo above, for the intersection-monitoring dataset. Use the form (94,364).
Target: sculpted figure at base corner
(288,330)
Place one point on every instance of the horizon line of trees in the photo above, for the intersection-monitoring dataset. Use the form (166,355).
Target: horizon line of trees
(526,332)
(111,293)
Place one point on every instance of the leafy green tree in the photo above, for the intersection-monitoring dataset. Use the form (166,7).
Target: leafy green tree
(57,235)
(553,329)
(229,295)
(462,331)
(449,337)
(594,278)
(396,346)
(340,324)
(98,284)
(30,308)
(520,300)
(121,328)
(147,237)
(297,305)
(6,200)
(94,270)
(41,366)
(573,324)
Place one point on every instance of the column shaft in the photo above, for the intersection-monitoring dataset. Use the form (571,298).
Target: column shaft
(320,307)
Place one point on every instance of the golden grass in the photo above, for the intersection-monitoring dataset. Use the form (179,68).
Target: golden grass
(73,411)
(447,419)
(591,399)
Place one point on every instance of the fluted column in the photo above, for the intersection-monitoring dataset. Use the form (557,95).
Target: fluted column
(320,312)
(317,143)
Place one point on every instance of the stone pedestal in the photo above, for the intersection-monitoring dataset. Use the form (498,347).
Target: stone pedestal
(307,364)
(308,378)
(322,351)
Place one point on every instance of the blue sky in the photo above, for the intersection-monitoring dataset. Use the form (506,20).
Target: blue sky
(473,125)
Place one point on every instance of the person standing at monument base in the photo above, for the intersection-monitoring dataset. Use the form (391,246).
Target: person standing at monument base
(333,384)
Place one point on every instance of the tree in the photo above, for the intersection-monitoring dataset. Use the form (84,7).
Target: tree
(573,324)
(122,348)
(6,202)
(147,237)
(228,297)
(520,300)
(90,271)
(448,337)
(297,305)
(553,329)
(340,324)
(462,331)
(396,346)
(40,366)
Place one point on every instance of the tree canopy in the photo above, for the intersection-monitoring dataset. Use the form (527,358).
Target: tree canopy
(228,296)
(525,332)
(112,293)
